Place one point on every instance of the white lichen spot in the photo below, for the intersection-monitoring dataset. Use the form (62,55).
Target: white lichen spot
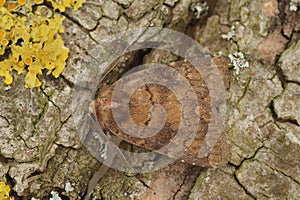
(55,196)
(7,88)
(68,187)
(199,9)
(34,198)
(149,165)
(294,4)
(103,151)
(103,147)
(293,138)
(231,34)
(206,179)
(238,61)
(220,53)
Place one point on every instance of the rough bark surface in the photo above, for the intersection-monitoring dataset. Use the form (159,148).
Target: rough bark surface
(39,143)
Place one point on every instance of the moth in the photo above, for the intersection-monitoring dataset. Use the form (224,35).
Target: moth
(140,104)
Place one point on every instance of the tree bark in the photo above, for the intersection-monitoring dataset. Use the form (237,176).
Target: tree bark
(41,151)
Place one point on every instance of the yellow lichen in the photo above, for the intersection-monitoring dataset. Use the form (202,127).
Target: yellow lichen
(34,44)
(43,11)
(61,5)
(21,2)
(2,2)
(4,42)
(29,40)
(38,1)
(4,191)
(2,34)
(11,6)
(28,60)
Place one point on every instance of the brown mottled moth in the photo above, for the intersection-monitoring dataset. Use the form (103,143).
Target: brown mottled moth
(140,104)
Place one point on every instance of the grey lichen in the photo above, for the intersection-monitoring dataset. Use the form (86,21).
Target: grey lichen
(55,196)
(230,35)
(238,61)
(199,9)
(294,5)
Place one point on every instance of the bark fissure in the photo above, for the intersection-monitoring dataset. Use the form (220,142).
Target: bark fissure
(75,21)
(180,187)
(7,121)
(243,187)
(281,120)
(245,90)
(238,167)
(67,81)
(283,173)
